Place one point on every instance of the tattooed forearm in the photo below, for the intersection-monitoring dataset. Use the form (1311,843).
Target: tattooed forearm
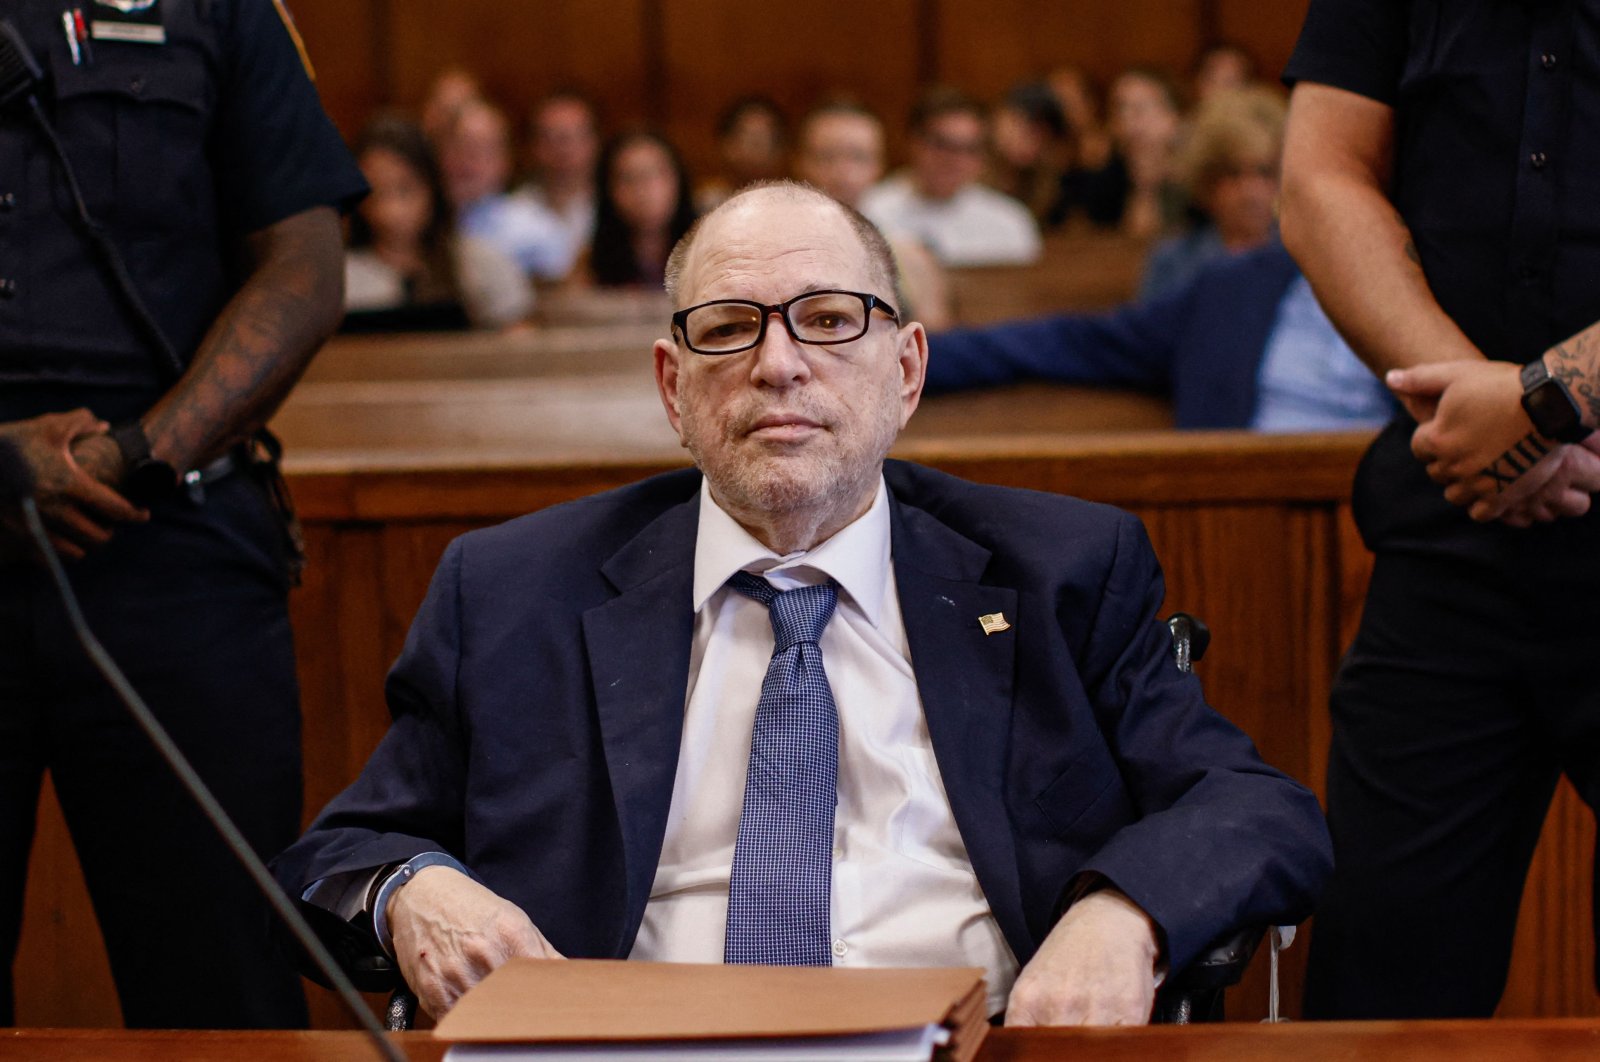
(1523,455)
(259,345)
(1576,363)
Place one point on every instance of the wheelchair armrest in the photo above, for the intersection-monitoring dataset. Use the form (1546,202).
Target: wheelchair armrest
(1220,965)
(1195,993)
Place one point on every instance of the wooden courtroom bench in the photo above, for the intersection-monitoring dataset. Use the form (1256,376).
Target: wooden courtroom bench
(577,305)
(596,331)
(544,350)
(1081,270)
(1254,533)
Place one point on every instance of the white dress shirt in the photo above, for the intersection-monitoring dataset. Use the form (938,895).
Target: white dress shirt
(977,226)
(577,218)
(904,892)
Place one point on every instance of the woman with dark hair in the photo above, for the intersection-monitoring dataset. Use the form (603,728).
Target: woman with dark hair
(1031,148)
(1134,190)
(644,209)
(406,267)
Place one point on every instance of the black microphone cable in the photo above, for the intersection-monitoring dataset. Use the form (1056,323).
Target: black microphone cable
(17,486)
(110,257)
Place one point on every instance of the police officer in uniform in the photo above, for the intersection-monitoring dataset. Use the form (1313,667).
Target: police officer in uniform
(193,129)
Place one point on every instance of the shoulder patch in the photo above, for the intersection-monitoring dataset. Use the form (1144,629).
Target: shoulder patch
(294,35)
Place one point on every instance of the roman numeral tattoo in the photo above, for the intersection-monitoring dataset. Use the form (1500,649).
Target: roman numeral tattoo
(1509,466)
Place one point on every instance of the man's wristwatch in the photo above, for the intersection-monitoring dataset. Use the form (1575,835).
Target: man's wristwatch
(145,478)
(1550,405)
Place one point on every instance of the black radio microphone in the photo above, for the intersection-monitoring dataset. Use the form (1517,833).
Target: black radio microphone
(19,71)
(16,488)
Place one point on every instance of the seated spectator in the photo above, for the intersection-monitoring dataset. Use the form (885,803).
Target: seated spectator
(1031,150)
(1134,190)
(751,146)
(475,155)
(1222,67)
(645,208)
(406,264)
(841,152)
(801,705)
(1229,166)
(940,200)
(1080,104)
(563,147)
(453,88)
(1244,345)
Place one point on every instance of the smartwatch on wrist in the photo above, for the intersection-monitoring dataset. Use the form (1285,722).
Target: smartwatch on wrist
(145,478)
(1550,405)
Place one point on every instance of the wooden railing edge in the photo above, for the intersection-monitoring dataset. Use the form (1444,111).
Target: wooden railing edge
(1122,469)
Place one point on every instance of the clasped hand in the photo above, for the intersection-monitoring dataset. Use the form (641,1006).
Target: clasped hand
(449,933)
(74,464)
(1478,443)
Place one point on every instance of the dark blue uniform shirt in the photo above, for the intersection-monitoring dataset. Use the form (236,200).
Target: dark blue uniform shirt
(1497,150)
(182,148)
(1497,175)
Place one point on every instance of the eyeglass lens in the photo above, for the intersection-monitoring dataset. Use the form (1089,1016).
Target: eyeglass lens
(827,317)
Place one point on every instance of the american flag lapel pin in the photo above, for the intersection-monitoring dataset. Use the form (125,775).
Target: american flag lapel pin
(994,623)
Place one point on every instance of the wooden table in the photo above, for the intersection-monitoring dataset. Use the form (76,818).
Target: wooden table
(1551,1040)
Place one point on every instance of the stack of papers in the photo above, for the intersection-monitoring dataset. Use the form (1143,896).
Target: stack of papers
(601,1010)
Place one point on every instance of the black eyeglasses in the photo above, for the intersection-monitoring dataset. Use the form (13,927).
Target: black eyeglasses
(821,318)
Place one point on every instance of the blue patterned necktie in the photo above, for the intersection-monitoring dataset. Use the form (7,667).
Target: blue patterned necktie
(781,887)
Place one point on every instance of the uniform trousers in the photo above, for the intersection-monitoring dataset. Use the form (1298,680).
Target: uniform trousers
(1470,689)
(193,606)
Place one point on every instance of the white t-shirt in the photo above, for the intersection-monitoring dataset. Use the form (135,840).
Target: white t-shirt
(976,226)
(494,292)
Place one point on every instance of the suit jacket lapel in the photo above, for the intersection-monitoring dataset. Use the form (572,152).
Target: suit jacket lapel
(964,678)
(638,650)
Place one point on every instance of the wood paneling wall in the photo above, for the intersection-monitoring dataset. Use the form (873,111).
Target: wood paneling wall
(676,63)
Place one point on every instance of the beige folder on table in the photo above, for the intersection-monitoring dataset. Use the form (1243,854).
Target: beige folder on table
(609,1009)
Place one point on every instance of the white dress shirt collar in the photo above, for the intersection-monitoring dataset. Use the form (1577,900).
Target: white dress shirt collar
(856,557)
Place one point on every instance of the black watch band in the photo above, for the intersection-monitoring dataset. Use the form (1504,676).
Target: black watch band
(1550,405)
(145,478)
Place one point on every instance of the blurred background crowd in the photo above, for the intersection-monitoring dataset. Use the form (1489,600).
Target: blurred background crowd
(477,213)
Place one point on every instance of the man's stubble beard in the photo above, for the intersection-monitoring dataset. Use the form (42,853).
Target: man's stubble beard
(775,479)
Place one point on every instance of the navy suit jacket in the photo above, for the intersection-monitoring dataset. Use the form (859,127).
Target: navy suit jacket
(1202,344)
(539,699)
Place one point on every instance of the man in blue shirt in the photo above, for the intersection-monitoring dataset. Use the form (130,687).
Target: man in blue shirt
(1244,345)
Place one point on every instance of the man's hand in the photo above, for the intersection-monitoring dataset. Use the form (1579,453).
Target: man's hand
(1097,967)
(449,933)
(1573,476)
(1478,443)
(74,470)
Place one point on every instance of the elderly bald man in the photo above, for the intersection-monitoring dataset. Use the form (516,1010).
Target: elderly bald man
(801,704)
